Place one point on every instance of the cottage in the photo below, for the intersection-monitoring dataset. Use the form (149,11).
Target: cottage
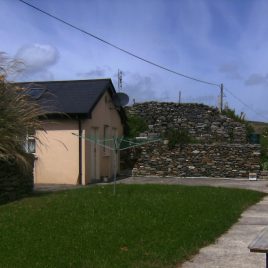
(75,109)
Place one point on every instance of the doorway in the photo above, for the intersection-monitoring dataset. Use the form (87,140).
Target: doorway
(94,155)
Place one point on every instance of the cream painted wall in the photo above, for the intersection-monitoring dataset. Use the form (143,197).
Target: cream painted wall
(58,150)
(57,153)
(103,115)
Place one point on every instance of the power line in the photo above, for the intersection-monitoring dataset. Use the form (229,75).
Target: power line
(138,57)
(117,47)
(246,105)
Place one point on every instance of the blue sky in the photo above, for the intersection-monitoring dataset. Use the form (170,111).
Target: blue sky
(221,41)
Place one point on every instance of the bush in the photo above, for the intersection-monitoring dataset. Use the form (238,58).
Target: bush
(136,125)
(241,119)
(265,132)
(264,152)
(231,114)
(180,137)
(14,182)
(264,165)
(19,116)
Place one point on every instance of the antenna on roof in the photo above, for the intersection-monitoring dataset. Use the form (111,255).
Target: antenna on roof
(120,99)
(120,80)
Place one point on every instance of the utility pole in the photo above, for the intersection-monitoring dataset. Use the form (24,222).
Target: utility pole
(221,99)
(179,97)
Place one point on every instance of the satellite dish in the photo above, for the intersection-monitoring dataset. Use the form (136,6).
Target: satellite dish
(120,99)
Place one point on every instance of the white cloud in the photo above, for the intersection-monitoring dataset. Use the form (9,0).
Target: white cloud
(98,72)
(231,70)
(257,79)
(37,57)
(139,87)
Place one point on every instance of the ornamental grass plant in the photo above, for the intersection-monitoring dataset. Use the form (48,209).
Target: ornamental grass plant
(19,115)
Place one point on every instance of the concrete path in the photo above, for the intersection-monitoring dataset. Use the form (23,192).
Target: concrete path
(231,249)
(40,187)
(259,185)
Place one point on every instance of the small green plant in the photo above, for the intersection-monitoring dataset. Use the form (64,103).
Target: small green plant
(241,119)
(265,132)
(180,137)
(231,114)
(136,125)
(264,152)
(264,165)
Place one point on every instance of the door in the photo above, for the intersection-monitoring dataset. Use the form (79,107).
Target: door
(94,155)
(114,163)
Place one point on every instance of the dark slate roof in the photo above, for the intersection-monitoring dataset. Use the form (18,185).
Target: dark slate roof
(73,97)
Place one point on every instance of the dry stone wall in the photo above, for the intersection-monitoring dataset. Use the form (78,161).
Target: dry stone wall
(203,123)
(198,160)
(221,148)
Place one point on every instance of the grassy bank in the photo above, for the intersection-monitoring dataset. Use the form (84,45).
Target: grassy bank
(141,226)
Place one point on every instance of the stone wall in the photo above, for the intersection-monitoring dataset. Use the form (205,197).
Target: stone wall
(198,160)
(220,149)
(14,183)
(203,123)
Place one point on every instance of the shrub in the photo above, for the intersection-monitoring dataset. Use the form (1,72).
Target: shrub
(19,116)
(180,137)
(265,132)
(136,125)
(241,119)
(264,150)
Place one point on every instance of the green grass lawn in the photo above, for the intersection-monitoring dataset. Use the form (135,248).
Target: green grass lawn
(141,226)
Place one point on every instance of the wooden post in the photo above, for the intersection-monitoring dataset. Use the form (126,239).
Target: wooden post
(221,99)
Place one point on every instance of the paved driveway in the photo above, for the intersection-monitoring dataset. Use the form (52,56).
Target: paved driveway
(259,185)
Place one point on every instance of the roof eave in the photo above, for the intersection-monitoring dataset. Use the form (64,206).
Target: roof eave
(68,116)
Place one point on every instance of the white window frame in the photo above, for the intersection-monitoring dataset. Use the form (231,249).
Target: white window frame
(30,145)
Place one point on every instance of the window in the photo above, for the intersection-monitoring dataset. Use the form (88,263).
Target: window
(30,145)
(114,141)
(36,93)
(105,138)
(114,134)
